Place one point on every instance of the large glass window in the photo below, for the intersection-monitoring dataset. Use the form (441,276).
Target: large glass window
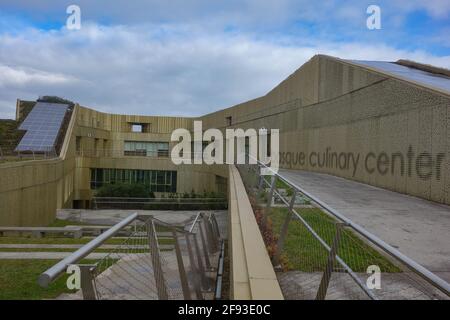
(156,180)
(146,149)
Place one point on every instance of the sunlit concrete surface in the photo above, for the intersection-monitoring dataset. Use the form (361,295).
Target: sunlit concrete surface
(299,285)
(113,216)
(50,255)
(418,228)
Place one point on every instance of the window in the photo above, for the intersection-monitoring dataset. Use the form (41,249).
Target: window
(78,144)
(247,149)
(140,127)
(146,149)
(96,146)
(228,120)
(136,128)
(105,151)
(155,180)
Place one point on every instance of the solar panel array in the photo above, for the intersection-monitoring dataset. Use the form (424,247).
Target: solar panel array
(426,78)
(42,127)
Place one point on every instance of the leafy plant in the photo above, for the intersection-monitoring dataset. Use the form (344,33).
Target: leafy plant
(124,190)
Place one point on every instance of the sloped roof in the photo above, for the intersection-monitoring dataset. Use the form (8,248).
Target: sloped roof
(431,80)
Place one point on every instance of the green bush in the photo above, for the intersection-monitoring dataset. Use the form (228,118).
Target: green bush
(124,190)
(55,99)
(175,202)
(217,205)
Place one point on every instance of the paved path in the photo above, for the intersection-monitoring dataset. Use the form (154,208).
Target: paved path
(49,255)
(298,285)
(132,278)
(76,246)
(113,216)
(418,228)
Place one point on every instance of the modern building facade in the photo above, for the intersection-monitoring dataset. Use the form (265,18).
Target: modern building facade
(383,124)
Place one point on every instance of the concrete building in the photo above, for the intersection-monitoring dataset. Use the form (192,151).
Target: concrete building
(383,124)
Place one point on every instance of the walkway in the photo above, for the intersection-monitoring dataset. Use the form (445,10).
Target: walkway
(418,228)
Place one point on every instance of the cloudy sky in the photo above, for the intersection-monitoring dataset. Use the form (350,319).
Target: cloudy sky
(191,57)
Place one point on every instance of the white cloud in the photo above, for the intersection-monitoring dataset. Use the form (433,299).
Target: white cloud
(10,76)
(160,69)
(439,9)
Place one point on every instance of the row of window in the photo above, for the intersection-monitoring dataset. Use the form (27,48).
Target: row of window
(146,149)
(155,180)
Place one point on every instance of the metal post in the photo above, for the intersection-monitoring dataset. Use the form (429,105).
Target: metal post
(209,236)
(87,281)
(216,226)
(284,230)
(269,199)
(322,292)
(272,188)
(257,176)
(181,269)
(201,268)
(261,181)
(204,246)
(219,278)
(156,261)
(194,269)
(214,234)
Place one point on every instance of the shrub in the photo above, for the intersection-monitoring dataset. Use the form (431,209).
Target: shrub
(124,190)
(55,99)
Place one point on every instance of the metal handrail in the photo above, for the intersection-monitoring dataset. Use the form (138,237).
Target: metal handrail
(166,224)
(346,267)
(157,198)
(219,277)
(414,266)
(195,221)
(55,271)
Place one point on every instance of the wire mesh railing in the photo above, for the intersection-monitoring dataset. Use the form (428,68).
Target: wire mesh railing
(118,153)
(156,261)
(23,155)
(322,255)
(160,203)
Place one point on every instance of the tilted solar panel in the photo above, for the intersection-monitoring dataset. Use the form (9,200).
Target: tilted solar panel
(427,78)
(42,126)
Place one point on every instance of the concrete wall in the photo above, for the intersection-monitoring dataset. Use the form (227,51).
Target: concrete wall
(31,191)
(332,108)
(251,272)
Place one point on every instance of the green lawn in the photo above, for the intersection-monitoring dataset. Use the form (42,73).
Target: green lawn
(303,252)
(280,184)
(18,280)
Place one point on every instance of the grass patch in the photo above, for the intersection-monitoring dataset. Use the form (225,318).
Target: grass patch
(18,280)
(304,253)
